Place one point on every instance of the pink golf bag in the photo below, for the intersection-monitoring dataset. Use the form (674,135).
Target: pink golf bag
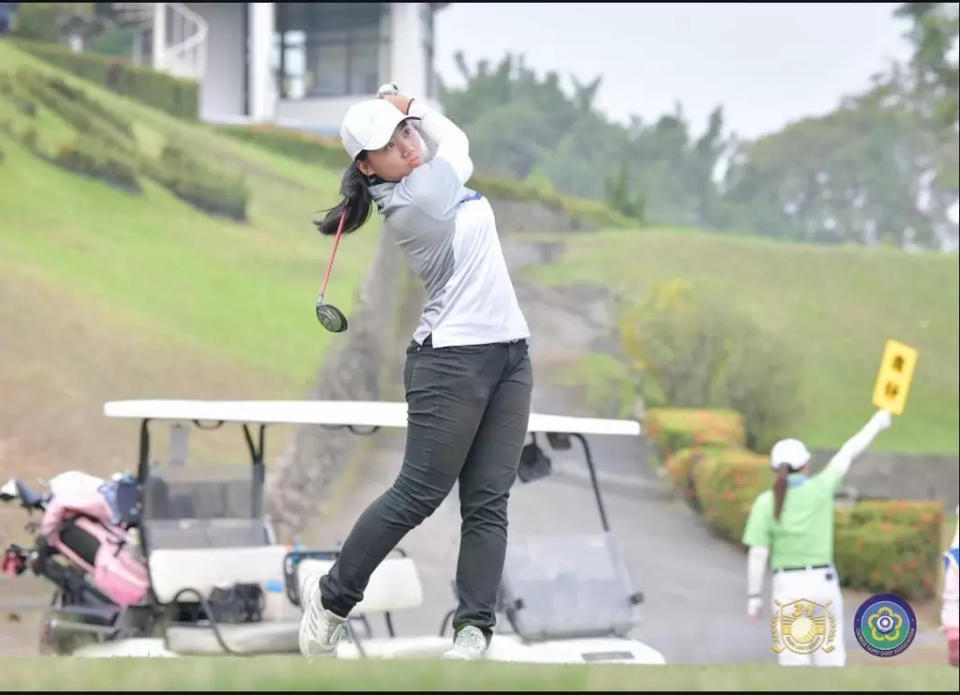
(77,522)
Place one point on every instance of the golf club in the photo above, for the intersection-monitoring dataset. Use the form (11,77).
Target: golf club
(327,314)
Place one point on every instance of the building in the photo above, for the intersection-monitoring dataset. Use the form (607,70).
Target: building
(294,64)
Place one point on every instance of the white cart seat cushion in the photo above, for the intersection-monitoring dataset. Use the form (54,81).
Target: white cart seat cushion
(394,585)
(204,568)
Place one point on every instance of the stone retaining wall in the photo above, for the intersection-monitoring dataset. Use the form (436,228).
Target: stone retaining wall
(300,482)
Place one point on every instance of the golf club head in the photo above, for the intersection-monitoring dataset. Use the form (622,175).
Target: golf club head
(331,318)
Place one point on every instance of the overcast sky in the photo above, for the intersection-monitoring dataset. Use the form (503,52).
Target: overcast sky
(767,64)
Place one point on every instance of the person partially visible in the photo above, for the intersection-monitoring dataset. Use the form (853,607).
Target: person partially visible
(7,11)
(950,611)
(792,526)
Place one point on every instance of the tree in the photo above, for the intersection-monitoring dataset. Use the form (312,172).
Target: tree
(519,123)
(882,166)
(694,350)
(934,71)
(862,174)
(620,198)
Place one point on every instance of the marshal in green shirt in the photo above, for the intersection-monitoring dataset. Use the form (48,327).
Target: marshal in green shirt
(804,534)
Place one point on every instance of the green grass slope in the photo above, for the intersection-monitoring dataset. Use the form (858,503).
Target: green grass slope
(838,305)
(284,673)
(109,294)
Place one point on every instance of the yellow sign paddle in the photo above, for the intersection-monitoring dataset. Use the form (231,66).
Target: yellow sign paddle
(893,379)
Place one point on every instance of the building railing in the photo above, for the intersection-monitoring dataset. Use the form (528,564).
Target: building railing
(184,53)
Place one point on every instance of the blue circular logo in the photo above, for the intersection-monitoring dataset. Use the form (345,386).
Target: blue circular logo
(885,625)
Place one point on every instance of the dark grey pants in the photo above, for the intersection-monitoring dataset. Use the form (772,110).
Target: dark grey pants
(468,409)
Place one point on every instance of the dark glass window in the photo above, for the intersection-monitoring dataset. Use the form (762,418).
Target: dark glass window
(331,49)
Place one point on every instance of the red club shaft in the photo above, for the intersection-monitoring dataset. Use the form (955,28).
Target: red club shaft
(336,242)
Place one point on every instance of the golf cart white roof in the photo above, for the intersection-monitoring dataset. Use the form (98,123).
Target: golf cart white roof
(358,413)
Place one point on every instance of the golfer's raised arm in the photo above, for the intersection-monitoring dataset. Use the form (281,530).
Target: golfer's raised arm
(443,138)
(859,442)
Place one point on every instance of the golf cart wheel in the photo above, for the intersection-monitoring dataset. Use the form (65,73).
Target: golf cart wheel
(58,642)
(49,644)
(46,646)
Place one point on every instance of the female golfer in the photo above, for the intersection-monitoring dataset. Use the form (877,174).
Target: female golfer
(467,377)
(793,525)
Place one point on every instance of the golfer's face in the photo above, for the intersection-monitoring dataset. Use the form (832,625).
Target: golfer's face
(400,156)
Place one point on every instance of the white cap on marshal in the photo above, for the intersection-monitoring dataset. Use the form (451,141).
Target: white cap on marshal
(369,125)
(791,452)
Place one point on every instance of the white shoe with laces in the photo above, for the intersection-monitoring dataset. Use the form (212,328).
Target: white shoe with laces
(469,644)
(320,629)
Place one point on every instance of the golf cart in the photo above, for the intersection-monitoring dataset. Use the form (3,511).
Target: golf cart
(219,583)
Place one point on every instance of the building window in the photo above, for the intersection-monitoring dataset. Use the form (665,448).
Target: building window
(330,49)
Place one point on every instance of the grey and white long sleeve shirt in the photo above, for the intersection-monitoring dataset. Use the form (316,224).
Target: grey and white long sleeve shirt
(449,235)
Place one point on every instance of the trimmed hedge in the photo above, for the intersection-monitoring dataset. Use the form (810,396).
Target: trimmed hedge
(95,108)
(87,116)
(594,213)
(726,483)
(211,190)
(104,148)
(889,546)
(174,95)
(20,129)
(85,158)
(307,147)
(673,429)
(680,467)
(14,94)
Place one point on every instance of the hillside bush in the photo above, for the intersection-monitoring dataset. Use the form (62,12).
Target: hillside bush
(91,159)
(673,429)
(212,190)
(889,546)
(726,484)
(177,96)
(697,351)
(307,147)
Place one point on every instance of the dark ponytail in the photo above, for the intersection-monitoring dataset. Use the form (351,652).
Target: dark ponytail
(780,490)
(353,188)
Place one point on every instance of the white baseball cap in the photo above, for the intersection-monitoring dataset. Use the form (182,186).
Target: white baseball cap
(792,452)
(369,125)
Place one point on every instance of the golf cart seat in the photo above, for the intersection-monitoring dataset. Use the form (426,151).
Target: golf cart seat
(564,587)
(394,585)
(202,569)
(173,570)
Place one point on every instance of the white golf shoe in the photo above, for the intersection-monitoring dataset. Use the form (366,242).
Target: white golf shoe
(320,629)
(469,644)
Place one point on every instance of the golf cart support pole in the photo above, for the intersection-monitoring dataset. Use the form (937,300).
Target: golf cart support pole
(144,453)
(593,479)
(256,454)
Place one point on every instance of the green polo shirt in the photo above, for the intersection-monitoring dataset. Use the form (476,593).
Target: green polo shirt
(804,533)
